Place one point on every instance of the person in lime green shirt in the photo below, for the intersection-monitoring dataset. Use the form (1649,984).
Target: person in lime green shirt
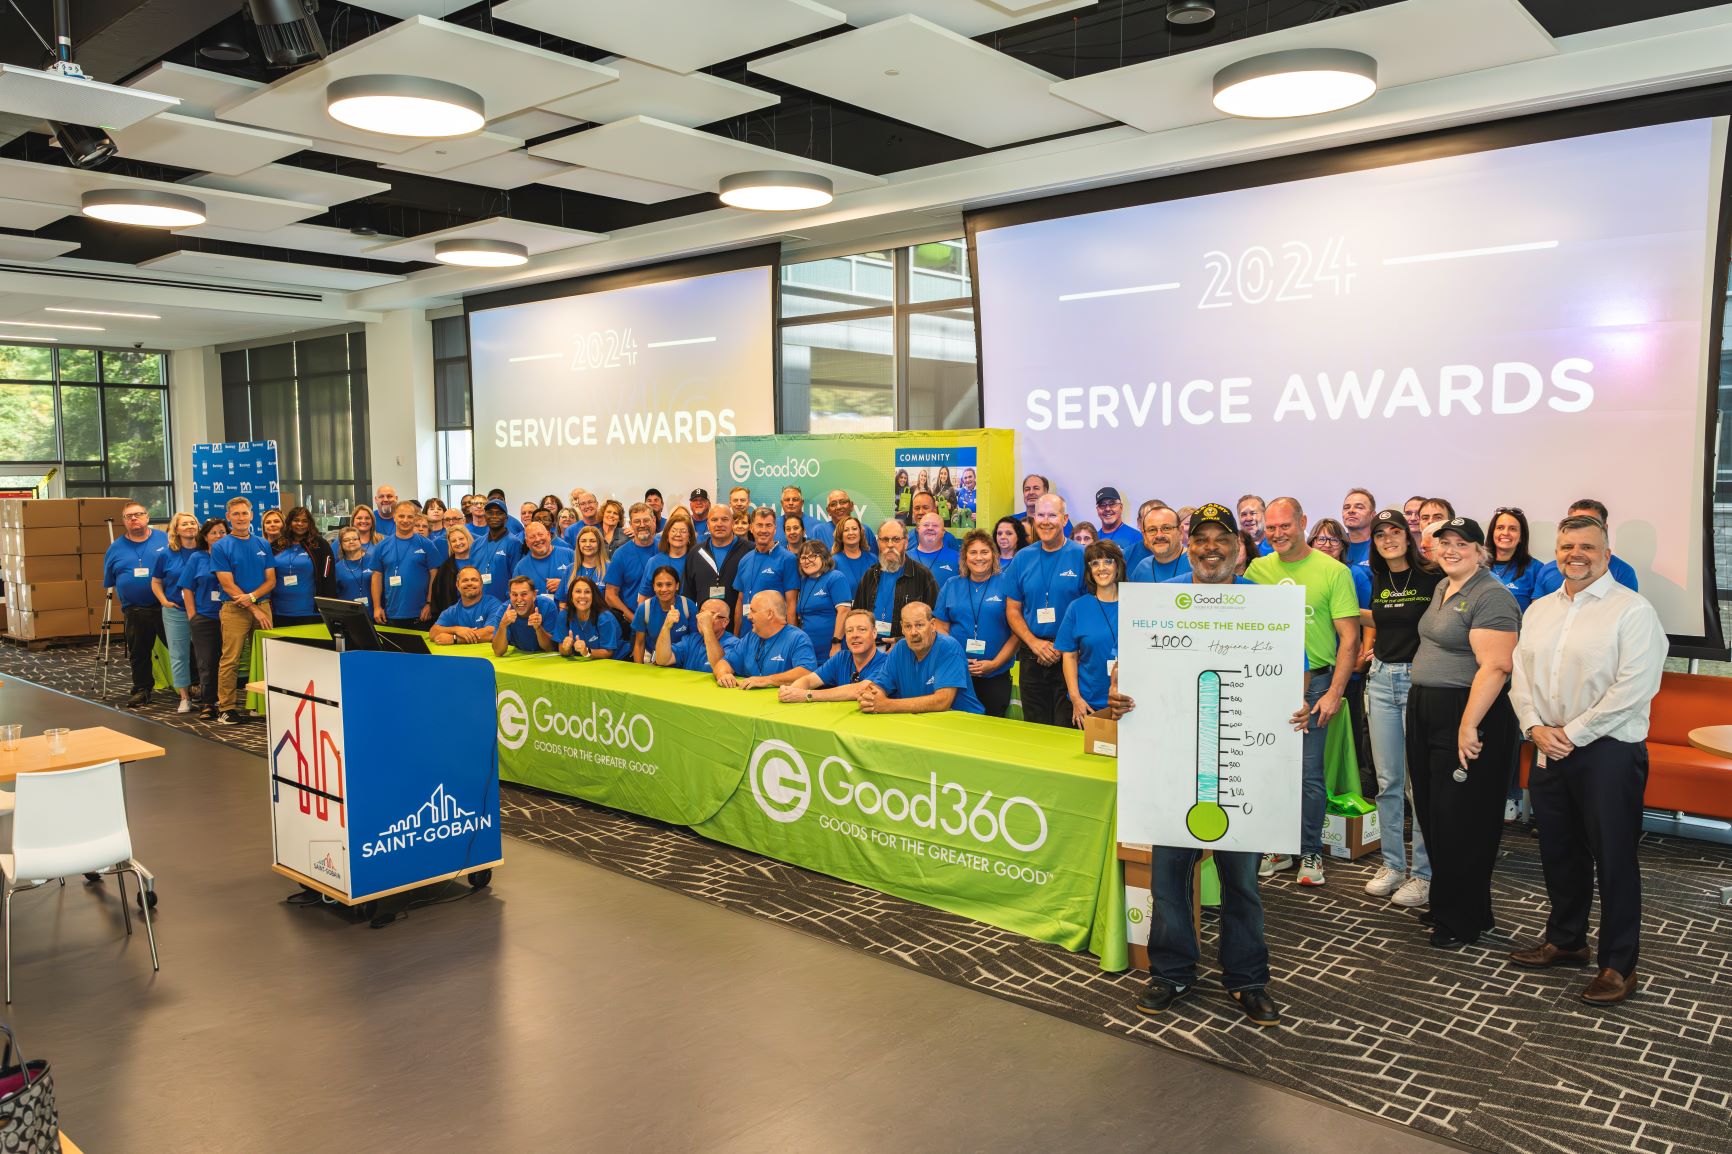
(1331,652)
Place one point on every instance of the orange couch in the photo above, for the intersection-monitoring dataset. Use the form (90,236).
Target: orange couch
(1681,777)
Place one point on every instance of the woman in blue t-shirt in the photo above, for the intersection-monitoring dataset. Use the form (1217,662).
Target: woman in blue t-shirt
(1511,563)
(1088,637)
(591,559)
(196,589)
(850,555)
(590,628)
(665,596)
(354,568)
(824,597)
(292,600)
(971,611)
(164,580)
(676,543)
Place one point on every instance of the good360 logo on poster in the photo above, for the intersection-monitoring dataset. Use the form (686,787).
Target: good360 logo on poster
(742,467)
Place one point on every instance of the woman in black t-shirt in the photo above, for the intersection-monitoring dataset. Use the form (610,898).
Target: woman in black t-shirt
(1401,589)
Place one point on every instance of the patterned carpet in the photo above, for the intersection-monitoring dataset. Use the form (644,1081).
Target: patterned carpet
(1458,1044)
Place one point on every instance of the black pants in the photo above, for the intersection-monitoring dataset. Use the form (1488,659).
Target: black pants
(994,694)
(143,631)
(207,652)
(1462,821)
(1589,809)
(1045,700)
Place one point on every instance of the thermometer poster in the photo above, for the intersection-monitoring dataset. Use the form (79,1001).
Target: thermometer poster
(1208,758)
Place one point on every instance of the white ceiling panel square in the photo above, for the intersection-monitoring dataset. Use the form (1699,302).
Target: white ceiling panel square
(599,183)
(507,170)
(30,216)
(673,154)
(510,77)
(292,182)
(536,122)
(435,157)
(209,145)
(274,272)
(33,248)
(915,71)
(683,35)
(32,92)
(55,184)
(969,17)
(537,238)
(301,238)
(200,91)
(1413,41)
(691,98)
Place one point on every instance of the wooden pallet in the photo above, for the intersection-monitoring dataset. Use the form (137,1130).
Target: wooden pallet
(38,644)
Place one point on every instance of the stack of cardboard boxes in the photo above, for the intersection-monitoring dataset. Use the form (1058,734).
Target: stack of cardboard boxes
(51,560)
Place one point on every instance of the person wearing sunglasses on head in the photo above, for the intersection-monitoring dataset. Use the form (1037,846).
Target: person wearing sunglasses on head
(1511,563)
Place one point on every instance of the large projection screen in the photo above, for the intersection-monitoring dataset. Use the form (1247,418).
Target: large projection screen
(1520,326)
(622,389)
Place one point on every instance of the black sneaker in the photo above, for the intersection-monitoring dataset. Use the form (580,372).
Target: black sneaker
(1159,996)
(209,714)
(231,717)
(1259,1007)
(139,697)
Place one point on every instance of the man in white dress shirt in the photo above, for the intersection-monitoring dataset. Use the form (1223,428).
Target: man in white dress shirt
(1586,668)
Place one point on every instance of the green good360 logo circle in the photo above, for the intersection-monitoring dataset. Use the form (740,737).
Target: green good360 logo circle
(1183,601)
(1134,914)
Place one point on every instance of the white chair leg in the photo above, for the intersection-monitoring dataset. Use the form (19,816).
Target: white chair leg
(6,916)
(125,912)
(144,904)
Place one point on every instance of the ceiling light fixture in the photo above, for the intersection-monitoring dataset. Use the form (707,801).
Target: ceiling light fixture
(776,191)
(405,106)
(144,207)
(16,337)
(101,313)
(1298,82)
(479,253)
(42,325)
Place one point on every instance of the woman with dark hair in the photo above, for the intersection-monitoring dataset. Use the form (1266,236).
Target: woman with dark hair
(298,573)
(1084,533)
(665,606)
(970,609)
(197,589)
(1088,637)
(299,528)
(591,629)
(1010,537)
(1511,563)
(903,497)
(794,532)
(434,511)
(824,598)
(443,593)
(943,491)
(850,552)
(552,504)
(1249,551)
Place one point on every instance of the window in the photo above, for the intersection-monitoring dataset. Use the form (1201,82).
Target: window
(879,341)
(310,397)
(100,416)
(453,415)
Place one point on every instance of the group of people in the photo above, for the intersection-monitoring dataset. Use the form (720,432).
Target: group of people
(1453,642)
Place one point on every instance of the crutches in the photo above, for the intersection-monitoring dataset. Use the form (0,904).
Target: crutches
(107,618)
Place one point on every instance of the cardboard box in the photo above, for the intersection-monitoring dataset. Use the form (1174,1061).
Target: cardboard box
(67,567)
(55,623)
(43,596)
(1350,837)
(57,540)
(94,539)
(38,512)
(93,593)
(97,510)
(1100,736)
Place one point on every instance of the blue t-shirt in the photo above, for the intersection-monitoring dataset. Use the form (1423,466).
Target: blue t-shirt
(1149,570)
(810,522)
(788,649)
(825,531)
(293,596)
(1091,631)
(1035,544)
(1129,541)
(200,578)
(945,562)
(441,548)
(404,565)
(650,615)
(485,612)
(1041,580)
(1550,579)
(818,600)
(520,634)
(776,571)
(169,565)
(1358,553)
(625,570)
(1361,583)
(570,532)
(600,633)
(245,560)
(853,568)
(555,567)
(690,653)
(355,579)
(646,582)
(884,605)
(1521,587)
(495,561)
(839,670)
(974,610)
(944,667)
(128,566)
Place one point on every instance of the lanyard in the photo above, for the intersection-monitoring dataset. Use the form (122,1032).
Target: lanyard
(1112,620)
(354,574)
(1048,572)
(976,597)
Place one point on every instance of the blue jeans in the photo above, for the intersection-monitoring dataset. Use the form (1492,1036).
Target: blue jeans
(178,637)
(1314,788)
(1386,711)
(1173,940)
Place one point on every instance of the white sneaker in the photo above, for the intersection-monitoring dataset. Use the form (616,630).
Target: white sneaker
(1311,870)
(1274,863)
(1385,883)
(185,706)
(1417,892)
(1512,810)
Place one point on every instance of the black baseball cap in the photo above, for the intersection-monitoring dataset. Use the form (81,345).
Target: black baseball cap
(1390,517)
(648,493)
(1465,527)
(1215,514)
(697,495)
(1102,496)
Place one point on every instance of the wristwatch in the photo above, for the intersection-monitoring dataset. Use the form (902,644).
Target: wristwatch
(808,695)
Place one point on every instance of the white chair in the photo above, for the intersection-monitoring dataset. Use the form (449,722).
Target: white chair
(67,822)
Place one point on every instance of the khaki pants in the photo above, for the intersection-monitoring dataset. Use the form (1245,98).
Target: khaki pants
(238,624)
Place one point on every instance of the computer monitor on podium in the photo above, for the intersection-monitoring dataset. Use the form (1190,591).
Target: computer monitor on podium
(351,628)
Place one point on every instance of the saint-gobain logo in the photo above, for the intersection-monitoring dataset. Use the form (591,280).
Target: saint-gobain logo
(513,720)
(781,783)
(740,465)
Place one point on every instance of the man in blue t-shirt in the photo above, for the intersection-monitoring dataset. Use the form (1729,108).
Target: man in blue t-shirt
(1550,580)
(527,621)
(1164,558)
(126,570)
(935,549)
(403,566)
(246,573)
(385,509)
(690,652)
(794,504)
(772,654)
(473,617)
(845,675)
(1034,487)
(1044,579)
(1251,510)
(1110,508)
(625,569)
(926,672)
(495,552)
(769,567)
(545,561)
(1357,509)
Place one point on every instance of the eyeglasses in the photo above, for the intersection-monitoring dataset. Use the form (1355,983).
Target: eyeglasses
(136,516)
(1317,541)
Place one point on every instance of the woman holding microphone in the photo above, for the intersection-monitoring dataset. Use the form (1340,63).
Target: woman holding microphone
(971,610)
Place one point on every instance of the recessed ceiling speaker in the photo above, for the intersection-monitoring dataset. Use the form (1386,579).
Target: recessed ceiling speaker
(1190,11)
(225,52)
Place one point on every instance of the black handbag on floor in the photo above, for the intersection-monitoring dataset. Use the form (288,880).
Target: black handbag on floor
(29,1123)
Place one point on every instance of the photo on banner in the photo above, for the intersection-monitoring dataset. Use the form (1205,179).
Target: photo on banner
(948,474)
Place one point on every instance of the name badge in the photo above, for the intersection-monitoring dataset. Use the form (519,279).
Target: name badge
(141,571)
(1112,666)
(883,628)
(975,646)
(486,578)
(216,595)
(291,579)
(717,592)
(394,580)
(360,600)
(1045,616)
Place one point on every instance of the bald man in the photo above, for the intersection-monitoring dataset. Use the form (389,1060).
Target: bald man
(772,654)
(691,652)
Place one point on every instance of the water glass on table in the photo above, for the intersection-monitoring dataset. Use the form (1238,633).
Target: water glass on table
(9,735)
(56,740)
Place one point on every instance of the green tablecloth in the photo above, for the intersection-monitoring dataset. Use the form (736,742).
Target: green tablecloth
(1006,823)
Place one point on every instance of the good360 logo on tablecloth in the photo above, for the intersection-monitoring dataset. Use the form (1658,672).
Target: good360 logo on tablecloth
(597,733)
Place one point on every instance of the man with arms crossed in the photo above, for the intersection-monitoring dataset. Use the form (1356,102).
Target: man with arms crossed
(1044,579)
(473,618)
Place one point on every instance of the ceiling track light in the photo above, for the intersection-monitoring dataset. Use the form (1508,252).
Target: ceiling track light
(481,253)
(773,191)
(415,106)
(143,207)
(1297,82)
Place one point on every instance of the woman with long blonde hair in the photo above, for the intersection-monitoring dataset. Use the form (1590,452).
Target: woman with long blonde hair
(164,582)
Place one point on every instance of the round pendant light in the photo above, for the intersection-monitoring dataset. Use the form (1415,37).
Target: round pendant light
(144,207)
(1299,82)
(776,191)
(479,253)
(405,106)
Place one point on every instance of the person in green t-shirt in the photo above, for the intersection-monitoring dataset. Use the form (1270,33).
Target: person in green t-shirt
(1331,651)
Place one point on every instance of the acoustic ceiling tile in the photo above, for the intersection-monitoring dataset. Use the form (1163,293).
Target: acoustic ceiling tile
(274,272)
(915,71)
(200,91)
(57,184)
(969,17)
(690,99)
(537,238)
(536,122)
(291,182)
(598,183)
(29,216)
(682,35)
(507,170)
(33,248)
(436,157)
(48,95)
(208,145)
(301,238)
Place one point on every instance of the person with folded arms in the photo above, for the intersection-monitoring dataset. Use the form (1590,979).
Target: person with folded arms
(472,618)
(1043,583)
(525,625)
(691,653)
(1164,556)
(1088,637)
(823,599)
(925,672)
(587,628)
(768,568)
(854,551)
(627,564)
(665,611)
(710,568)
(844,675)
(935,549)
(770,654)
(403,577)
(971,610)
(894,583)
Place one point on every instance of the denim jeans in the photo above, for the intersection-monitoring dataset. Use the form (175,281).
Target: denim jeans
(178,637)
(1314,789)
(1386,710)
(1172,938)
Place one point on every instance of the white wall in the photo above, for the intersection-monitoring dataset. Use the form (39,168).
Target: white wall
(195,412)
(401,438)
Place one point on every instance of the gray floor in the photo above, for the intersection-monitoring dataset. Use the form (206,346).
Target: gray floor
(567,1008)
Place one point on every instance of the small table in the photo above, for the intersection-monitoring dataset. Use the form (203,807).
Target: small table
(1717,740)
(84,747)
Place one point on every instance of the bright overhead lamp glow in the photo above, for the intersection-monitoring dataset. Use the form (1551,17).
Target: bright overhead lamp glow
(777,191)
(16,337)
(45,325)
(101,313)
(144,207)
(1299,82)
(480,253)
(405,106)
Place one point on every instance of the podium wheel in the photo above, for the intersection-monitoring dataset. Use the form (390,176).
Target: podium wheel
(480,878)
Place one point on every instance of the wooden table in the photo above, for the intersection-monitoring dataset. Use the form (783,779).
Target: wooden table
(1714,739)
(66,1145)
(84,747)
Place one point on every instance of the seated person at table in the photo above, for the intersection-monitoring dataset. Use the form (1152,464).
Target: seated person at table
(925,672)
(690,652)
(524,625)
(774,653)
(591,629)
(844,676)
(472,618)
(665,612)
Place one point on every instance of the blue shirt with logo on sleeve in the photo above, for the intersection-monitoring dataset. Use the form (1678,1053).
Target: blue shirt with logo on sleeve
(245,559)
(789,648)
(840,670)
(520,634)
(974,610)
(1046,583)
(128,566)
(404,565)
(943,667)
(484,613)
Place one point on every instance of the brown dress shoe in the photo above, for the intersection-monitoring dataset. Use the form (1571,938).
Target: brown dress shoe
(1546,954)
(1609,988)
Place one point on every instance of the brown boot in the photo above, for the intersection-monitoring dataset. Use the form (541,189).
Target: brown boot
(1545,954)
(1609,988)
